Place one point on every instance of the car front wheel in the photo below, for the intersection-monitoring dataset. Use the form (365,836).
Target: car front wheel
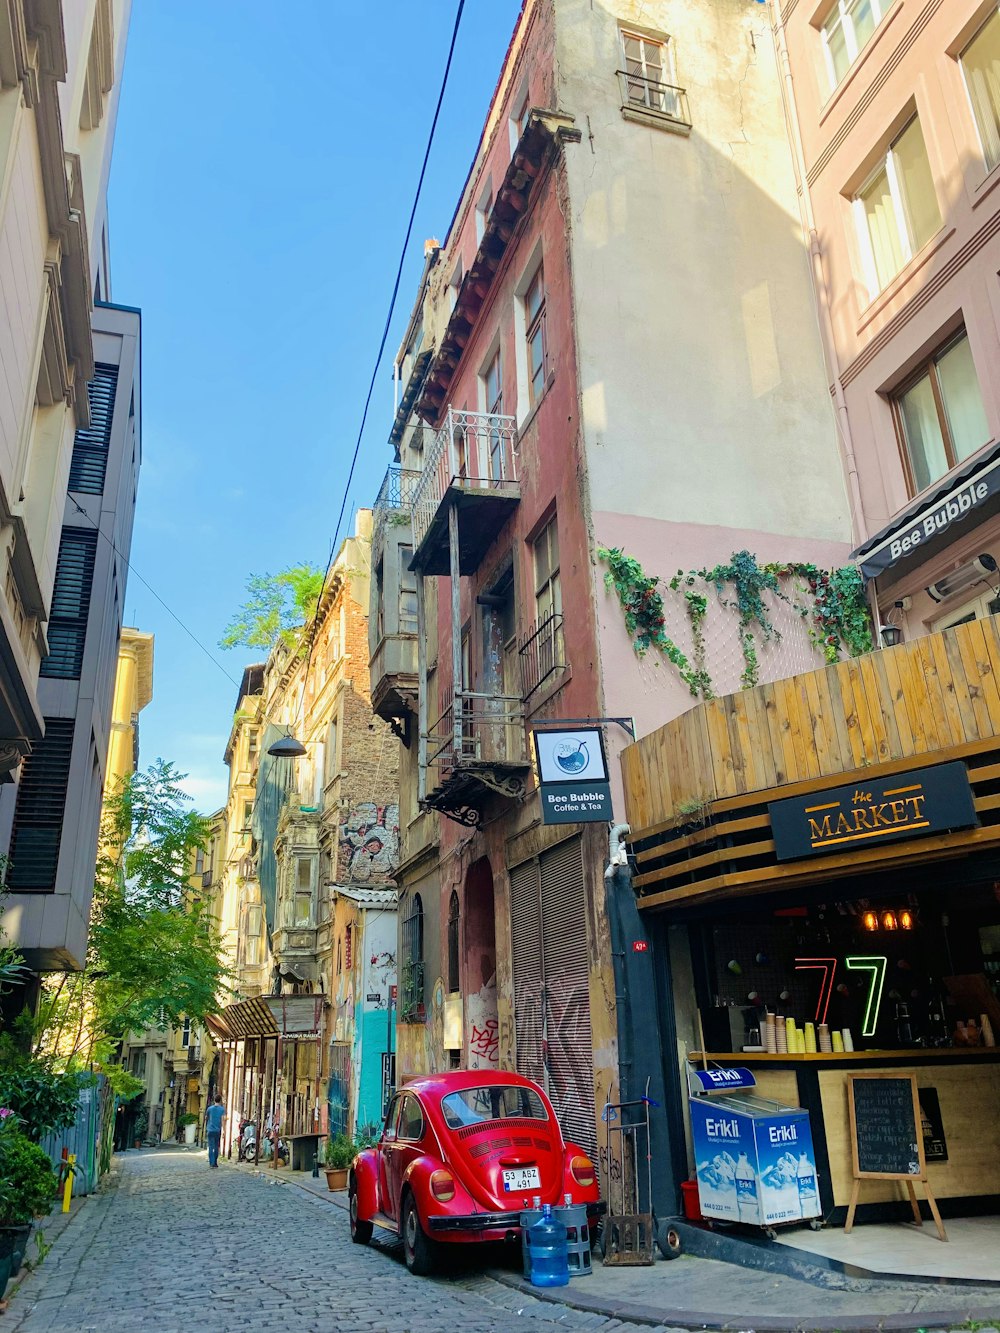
(418,1249)
(361,1231)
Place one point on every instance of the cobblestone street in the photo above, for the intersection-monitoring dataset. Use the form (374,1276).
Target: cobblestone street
(182,1249)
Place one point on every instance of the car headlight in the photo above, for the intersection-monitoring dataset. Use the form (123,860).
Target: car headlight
(442,1186)
(582,1170)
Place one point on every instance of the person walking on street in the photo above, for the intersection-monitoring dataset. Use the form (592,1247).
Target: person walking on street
(214,1118)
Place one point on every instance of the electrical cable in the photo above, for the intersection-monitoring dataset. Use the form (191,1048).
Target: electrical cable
(150,589)
(364,415)
(385,331)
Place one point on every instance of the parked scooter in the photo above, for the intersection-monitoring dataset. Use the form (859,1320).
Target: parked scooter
(247,1149)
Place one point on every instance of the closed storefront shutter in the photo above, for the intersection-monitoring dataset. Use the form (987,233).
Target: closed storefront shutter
(551,985)
(569,1043)
(526,942)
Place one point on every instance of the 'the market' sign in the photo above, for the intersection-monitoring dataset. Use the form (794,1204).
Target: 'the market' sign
(843,819)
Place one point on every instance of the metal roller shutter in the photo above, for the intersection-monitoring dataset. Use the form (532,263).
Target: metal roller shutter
(526,949)
(552,985)
(569,1040)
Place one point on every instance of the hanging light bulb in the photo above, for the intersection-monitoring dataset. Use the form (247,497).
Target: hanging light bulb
(870,921)
(906,919)
(889,921)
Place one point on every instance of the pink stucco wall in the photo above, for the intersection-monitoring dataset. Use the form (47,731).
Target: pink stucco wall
(911,66)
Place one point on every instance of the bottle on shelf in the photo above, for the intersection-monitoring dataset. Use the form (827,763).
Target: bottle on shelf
(904,1028)
(937,1023)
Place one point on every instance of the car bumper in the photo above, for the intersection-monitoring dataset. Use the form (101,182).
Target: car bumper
(494,1221)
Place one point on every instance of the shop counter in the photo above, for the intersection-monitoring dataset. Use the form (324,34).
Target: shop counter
(959,1090)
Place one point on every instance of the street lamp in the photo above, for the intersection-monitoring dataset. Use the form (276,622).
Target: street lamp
(287,747)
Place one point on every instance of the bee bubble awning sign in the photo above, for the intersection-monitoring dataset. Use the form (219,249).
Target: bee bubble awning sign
(573,774)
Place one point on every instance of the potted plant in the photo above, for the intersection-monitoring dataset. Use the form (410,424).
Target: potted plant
(139,1126)
(27,1188)
(338,1154)
(188,1122)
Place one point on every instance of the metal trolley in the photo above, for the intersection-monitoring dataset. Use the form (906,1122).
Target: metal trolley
(629,1232)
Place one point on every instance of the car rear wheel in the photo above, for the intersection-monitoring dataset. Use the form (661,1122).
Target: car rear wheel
(419,1250)
(361,1231)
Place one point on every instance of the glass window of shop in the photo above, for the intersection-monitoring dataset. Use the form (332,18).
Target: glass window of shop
(907,967)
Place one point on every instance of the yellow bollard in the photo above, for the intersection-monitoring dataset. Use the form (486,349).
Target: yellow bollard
(68,1187)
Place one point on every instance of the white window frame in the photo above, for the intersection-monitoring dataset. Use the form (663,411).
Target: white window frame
(843,9)
(989,165)
(484,207)
(518,116)
(887,163)
(978,606)
(523,405)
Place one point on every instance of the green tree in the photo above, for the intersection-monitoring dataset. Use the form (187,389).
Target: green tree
(154,951)
(277,606)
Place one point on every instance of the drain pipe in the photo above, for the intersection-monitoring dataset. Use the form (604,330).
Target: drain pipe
(647,1038)
(820,292)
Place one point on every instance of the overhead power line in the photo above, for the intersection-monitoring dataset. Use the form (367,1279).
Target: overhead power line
(152,591)
(385,330)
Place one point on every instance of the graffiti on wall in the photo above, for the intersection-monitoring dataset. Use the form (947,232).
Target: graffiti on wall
(554,1047)
(484,1028)
(369,842)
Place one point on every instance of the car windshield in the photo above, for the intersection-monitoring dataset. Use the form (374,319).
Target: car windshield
(473,1105)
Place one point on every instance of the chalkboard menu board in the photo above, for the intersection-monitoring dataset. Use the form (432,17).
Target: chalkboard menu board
(886,1137)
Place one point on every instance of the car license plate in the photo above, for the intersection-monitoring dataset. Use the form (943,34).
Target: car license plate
(518,1179)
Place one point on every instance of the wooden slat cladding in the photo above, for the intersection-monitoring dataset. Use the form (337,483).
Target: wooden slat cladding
(934,699)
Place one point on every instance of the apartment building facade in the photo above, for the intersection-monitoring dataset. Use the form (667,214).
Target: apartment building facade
(893,115)
(70,409)
(312,853)
(613,352)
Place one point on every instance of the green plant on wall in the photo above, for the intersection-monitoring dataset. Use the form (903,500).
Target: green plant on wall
(832,601)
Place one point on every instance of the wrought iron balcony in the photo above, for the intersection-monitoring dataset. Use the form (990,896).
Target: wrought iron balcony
(477,747)
(650,98)
(472,465)
(392,504)
(542,652)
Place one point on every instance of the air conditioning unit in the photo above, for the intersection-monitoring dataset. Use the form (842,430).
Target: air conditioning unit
(980,570)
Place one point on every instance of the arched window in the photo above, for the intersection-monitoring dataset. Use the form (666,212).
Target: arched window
(453,924)
(412,978)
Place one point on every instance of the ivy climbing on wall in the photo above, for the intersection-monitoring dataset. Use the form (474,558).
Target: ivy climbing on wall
(831,601)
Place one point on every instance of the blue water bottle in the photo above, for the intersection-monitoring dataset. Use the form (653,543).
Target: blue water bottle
(547,1248)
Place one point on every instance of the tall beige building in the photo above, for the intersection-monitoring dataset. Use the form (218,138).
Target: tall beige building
(70,410)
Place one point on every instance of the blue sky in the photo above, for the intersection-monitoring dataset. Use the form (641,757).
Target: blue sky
(263,174)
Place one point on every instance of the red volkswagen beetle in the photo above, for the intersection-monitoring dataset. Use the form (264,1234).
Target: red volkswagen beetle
(460,1155)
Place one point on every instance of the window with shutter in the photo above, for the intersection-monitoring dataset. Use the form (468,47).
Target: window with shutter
(38,814)
(90,445)
(67,630)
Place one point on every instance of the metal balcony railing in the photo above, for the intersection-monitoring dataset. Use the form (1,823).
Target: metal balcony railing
(393,502)
(542,652)
(478,729)
(661,99)
(473,451)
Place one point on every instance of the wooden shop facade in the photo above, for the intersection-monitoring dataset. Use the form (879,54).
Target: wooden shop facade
(827,848)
